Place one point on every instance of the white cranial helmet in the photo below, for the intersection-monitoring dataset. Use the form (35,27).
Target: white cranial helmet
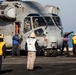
(32,34)
(74,33)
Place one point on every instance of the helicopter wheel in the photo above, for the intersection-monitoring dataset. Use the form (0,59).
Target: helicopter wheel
(54,53)
(47,53)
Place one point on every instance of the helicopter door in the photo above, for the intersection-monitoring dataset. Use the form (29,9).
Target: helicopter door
(17,27)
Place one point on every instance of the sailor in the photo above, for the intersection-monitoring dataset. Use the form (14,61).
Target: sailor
(2,50)
(31,45)
(65,43)
(36,23)
(16,41)
(74,44)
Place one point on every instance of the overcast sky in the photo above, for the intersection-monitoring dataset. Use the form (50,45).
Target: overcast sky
(68,12)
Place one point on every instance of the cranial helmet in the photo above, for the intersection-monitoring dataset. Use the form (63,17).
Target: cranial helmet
(74,33)
(32,34)
(1,36)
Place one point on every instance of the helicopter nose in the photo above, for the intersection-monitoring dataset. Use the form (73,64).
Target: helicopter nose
(53,42)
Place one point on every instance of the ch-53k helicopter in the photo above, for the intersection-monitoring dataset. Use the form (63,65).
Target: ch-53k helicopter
(24,17)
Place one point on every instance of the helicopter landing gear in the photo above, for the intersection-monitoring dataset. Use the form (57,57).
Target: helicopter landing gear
(54,53)
(47,53)
(50,52)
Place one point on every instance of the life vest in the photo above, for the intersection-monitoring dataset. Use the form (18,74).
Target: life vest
(74,39)
(15,40)
(31,44)
(1,46)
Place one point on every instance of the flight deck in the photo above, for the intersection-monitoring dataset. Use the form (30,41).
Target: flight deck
(59,65)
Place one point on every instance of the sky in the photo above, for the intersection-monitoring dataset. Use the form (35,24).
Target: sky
(68,12)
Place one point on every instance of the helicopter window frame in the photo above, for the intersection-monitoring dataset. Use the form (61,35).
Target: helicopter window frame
(27,24)
(49,20)
(57,20)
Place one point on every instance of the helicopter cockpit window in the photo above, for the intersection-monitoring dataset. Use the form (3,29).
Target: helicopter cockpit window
(39,32)
(27,24)
(49,21)
(57,20)
(38,21)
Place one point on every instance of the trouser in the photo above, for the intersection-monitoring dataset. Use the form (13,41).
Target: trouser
(65,45)
(30,60)
(74,49)
(15,49)
(0,64)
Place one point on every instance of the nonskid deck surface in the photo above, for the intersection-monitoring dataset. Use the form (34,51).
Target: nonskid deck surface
(43,66)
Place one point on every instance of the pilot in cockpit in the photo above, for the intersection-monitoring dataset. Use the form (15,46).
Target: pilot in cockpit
(36,23)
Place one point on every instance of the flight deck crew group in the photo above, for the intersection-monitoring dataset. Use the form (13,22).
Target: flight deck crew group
(16,41)
(31,47)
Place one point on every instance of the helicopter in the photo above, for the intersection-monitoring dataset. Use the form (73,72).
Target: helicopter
(24,17)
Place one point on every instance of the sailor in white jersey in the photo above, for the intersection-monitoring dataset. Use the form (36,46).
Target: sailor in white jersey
(31,48)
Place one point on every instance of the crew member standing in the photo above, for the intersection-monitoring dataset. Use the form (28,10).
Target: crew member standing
(31,45)
(16,41)
(2,50)
(74,44)
(65,43)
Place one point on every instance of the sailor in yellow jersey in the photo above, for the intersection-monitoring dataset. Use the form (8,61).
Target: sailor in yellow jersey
(74,44)
(2,50)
